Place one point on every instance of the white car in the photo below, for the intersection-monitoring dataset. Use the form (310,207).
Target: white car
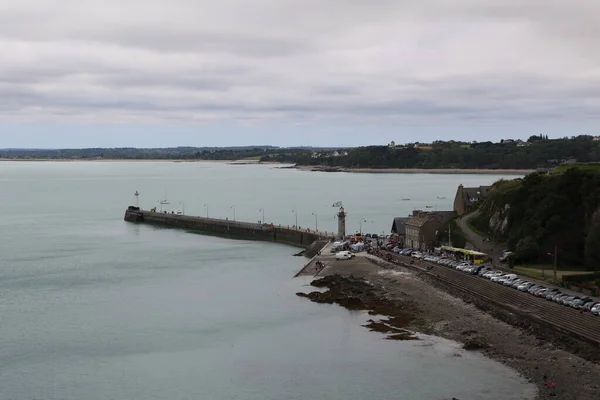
(344,255)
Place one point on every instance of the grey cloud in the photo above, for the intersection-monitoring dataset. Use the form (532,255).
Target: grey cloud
(242,44)
(301,60)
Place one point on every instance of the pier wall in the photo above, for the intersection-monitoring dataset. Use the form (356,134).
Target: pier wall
(222,227)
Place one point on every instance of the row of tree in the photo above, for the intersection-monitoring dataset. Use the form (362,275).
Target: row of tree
(538,152)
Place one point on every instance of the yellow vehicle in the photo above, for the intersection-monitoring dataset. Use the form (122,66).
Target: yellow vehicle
(476,257)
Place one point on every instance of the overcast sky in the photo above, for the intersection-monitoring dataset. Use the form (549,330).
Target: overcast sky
(145,73)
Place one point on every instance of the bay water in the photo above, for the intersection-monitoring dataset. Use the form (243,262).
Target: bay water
(92,307)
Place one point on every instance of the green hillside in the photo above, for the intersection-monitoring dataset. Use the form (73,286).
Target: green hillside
(541,211)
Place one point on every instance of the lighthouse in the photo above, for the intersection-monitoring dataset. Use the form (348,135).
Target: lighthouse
(341,215)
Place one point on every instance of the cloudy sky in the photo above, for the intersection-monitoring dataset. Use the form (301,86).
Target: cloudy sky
(145,73)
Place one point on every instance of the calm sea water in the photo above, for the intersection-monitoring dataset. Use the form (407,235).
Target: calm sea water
(92,307)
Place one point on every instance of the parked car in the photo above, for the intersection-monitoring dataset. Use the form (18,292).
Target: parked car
(547,292)
(510,281)
(344,255)
(515,282)
(505,255)
(538,291)
(577,303)
(588,306)
(556,298)
(581,304)
(534,288)
(524,286)
(596,309)
(504,278)
(566,299)
(552,295)
(518,282)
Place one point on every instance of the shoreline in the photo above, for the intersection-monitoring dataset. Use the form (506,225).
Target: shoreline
(400,302)
(417,170)
(313,168)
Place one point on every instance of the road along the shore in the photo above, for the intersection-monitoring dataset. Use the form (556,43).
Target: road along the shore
(503,323)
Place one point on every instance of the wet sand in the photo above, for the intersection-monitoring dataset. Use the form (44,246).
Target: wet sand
(401,303)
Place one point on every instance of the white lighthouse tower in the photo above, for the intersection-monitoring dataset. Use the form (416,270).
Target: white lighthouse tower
(341,215)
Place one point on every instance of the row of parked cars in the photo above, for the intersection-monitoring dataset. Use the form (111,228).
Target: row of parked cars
(583,303)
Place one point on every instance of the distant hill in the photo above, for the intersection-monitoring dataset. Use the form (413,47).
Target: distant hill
(537,152)
(171,153)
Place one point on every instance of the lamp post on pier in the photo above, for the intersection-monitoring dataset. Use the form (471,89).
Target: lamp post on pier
(206,206)
(295,211)
(316,220)
(362,219)
(233,208)
(263,215)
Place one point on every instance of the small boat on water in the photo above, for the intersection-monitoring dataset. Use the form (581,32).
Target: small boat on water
(406,198)
(441,197)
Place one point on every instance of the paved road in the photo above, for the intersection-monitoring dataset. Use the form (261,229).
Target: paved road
(493,249)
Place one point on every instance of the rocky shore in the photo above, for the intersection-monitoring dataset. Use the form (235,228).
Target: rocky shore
(401,305)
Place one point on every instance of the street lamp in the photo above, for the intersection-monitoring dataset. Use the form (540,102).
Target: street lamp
(182,207)
(263,214)
(206,206)
(555,262)
(296,212)
(233,208)
(316,220)
(361,221)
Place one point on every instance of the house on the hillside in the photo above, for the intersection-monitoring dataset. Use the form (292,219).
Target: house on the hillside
(466,197)
(422,228)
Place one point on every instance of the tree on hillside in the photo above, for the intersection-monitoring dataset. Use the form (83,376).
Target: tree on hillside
(592,248)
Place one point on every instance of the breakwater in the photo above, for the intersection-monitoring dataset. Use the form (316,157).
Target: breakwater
(229,228)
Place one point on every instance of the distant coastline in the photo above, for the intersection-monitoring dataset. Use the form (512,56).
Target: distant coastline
(316,168)
(232,162)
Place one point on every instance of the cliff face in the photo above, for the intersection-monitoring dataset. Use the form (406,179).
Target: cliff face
(540,211)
